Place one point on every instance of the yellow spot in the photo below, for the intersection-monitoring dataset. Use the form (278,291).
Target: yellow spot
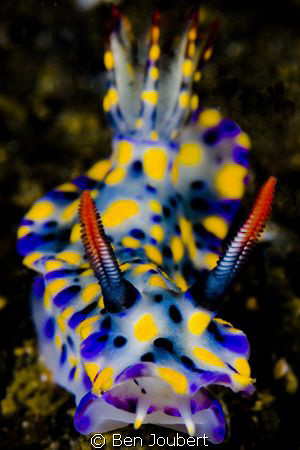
(153,253)
(124,152)
(207,53)
(113,96)
(155,162)
(242,380)
(32,258)
(104,381)
(222,322)
(242,366)
(154,52)
(194,102)
(154,73)
(23,230)
(197,76)
(216,225)
(176,379)
(61,323)
(109,60)
(47,300)
(90,292)
(101,302)
(177,248)
(192,34)
(91,369)
(85,328)
(143,268)
(190,153)
(125,267)
(130,242)
(180,281)
(145,328)
(52,264)
(175,173)
(191,49)
(119,211)
(87,273)
(187,68)
(150,97)
(207,357)
(69,256)
(40,210)
(243,140)
(67,312)
(99,170)
(116,176)
(157,232)
(211,260)
(187,235)
(156,281)
(155,33)
(155,206)
(198,322)
(184,100)
(57,341)
(230,181)
(67,187)
(154,135)
(139,122)
(75,233)
(209,118)
(56,286)
(70,212)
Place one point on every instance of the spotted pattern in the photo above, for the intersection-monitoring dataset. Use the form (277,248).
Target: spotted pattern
(166,197)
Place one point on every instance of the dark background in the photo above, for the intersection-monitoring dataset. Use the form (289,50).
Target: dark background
(52,128)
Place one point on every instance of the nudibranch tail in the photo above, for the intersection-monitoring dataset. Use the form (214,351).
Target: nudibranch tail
(237,251)
(146,116)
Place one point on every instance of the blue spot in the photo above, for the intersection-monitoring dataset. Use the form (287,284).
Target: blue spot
(60,273)
(79,316)
(229,128)
(212,136)
(150,188)
(70,342)
(63,297)
(87,382)
(138,234)
(28,243)
(72,373)
(156,218)
(38,286)
(49,328)
(241,156)
(63,355)
(27,222)
(64,197)
(93,345)
(236,343)
(84,182)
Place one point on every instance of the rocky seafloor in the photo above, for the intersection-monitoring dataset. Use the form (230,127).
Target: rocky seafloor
(53,128)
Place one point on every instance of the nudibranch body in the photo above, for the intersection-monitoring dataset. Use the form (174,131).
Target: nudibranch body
(129,255)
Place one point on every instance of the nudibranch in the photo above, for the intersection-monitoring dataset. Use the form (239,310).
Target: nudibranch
(130,259)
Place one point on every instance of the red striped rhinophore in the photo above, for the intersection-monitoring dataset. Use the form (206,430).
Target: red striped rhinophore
(97,246)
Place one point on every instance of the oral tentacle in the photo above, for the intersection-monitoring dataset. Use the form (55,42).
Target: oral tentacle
(141,411)
(184,407)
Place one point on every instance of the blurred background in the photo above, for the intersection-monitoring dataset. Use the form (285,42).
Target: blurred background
(52,128)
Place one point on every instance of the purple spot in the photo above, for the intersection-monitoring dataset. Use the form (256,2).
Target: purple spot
(138,370)
(229,128)
(84,182)
(170,411)
(223,378)
(27,222)
(72,373)
(82,421)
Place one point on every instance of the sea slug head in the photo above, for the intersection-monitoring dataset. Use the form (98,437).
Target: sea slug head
(158,348)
